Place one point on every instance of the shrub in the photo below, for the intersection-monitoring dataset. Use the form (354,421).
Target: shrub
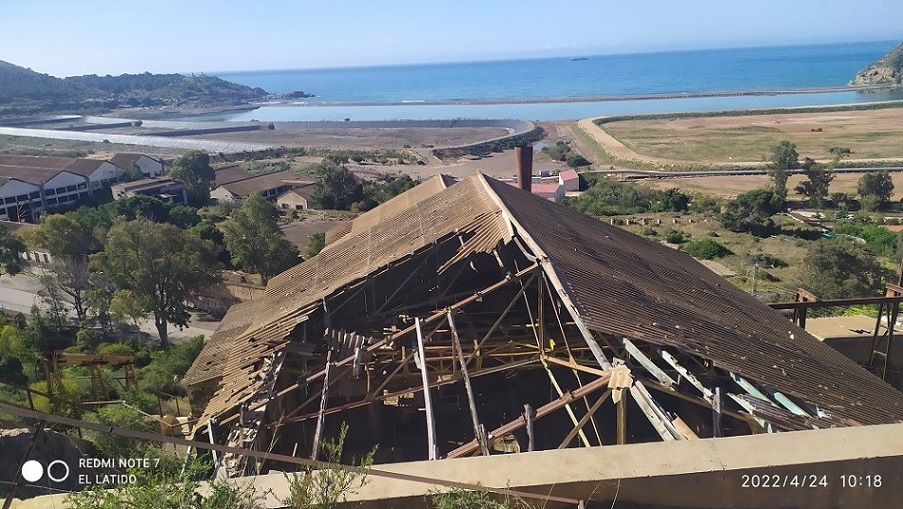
(676,237)
(705,249)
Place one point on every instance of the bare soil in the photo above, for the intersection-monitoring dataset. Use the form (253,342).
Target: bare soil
(363,138)
(870,134)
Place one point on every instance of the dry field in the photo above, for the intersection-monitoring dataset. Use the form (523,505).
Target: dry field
(870,134)
(363,138)
(730,186)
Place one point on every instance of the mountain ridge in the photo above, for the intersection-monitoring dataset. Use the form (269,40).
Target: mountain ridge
(24,91)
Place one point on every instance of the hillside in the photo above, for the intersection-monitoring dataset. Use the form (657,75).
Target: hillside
(23,91)
(887,70)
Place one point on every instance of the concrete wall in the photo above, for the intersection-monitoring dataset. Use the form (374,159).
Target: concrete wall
(699,474)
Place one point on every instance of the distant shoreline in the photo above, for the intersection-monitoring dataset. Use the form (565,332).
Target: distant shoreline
(592,98)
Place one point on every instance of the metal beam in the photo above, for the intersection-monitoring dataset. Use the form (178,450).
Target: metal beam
(657,417)
(690,377)
(647,363)
(783,400)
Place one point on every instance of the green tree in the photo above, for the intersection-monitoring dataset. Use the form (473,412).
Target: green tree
(10,247)
(254,240)
(336,187)
(140,206)
(315,243)
(752,211)
(381,192)
(835,269)
(194,171)
(817,185)
(875,189)
(69,243)
(162,265)
(126,308)
(133,173)
(784,158)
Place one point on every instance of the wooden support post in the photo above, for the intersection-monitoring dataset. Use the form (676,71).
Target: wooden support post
(529,415)
(716,414)
(520,422)
(484,448)
(622,418)
(318,434)
(210,437)
(427,400)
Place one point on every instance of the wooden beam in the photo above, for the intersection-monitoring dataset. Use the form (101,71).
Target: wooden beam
(427,399)
(520,423)
(385,341)
(529,415)
(567,406)
(583,420)
(470,397)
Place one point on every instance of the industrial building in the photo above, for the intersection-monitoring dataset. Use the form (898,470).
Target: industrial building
(474,318)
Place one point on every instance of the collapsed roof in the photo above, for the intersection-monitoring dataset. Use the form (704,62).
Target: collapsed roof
(442,253)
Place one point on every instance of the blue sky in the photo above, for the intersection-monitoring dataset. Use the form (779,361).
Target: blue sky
(67,37)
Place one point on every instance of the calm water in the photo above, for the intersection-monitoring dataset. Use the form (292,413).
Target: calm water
(776,68)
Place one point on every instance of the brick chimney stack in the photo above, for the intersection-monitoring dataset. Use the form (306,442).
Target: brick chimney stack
(524,157)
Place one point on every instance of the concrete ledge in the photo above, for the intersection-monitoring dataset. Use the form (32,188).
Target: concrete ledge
(690,474)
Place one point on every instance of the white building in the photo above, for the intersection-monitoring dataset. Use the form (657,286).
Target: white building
(149,166)
(100,174)
(26,192)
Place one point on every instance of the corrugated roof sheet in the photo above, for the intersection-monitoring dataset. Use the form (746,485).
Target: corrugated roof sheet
(260,183)
(292,295)
(391,207)
(210,362)
(621,284)
(628,286)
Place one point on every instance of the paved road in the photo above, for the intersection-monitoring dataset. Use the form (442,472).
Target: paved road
(19,293)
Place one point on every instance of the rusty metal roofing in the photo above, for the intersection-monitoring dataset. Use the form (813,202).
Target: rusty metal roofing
(291,296)
(391,207)
(210,362)
(619,283)
(260,183)
(625,285)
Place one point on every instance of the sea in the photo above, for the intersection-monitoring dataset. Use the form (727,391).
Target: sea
(548,86)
